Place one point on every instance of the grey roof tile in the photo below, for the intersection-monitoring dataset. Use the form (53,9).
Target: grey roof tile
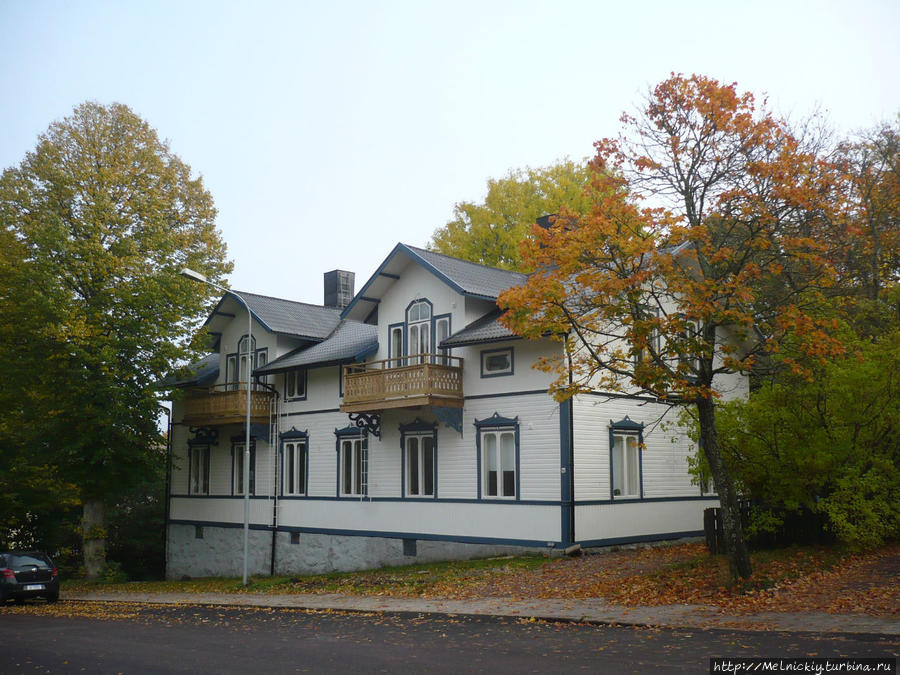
(351,340)
(289,317)
(294,318)
(486,329)
(204,371)
(471,278)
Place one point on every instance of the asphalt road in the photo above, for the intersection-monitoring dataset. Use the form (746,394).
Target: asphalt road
(73,637)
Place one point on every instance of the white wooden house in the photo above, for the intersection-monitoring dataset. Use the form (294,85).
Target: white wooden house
(405,423)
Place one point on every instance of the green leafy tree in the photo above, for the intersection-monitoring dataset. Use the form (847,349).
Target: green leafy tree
(489,233)
(724,270)
(826,444)
(100,217)
(870,261)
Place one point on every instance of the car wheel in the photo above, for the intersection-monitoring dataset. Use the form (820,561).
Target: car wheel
(19,601)
(53,598)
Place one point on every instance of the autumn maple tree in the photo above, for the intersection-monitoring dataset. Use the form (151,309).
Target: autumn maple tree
(702,255)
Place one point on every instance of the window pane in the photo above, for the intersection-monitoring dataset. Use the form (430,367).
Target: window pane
(301,382)
(301,468)
(490,464)
(358,466)
(231,368)
(347,462)
(508,462)
(497,362)
(291,388)
(413,465)
(632,465)
(239,469)
(252,470)
(428,465)
(396,345)
(413,339)
(204,486)
(618,459)
(194,470)
(289,448)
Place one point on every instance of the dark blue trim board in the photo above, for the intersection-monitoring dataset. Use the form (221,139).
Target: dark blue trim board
(536,543)
(529,392)
(454,500)
(566,457)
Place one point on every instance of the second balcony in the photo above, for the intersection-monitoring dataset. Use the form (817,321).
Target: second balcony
(405,382)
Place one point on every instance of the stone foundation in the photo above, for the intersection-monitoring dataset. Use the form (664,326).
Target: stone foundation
(220,552)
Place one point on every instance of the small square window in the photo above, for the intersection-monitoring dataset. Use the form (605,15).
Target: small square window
(409,548)
(295,385)
(295,538)
(198,532)
(497,362)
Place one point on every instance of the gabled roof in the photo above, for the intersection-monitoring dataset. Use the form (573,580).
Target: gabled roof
(467,278)
(350,341)
(202,372)
(486,329)
(470,278)
(286,317)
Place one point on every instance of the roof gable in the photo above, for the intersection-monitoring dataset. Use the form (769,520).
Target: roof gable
(284,317)
(467,278)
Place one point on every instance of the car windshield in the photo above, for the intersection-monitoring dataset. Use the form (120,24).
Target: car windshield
(24,559)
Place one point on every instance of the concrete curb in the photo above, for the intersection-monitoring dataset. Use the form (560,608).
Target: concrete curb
(552,610)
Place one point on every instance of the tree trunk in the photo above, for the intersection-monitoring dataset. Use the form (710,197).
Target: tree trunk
(738,558)
(93,537)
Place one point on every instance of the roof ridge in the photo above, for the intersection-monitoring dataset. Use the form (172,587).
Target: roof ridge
(463,260)
(272,297)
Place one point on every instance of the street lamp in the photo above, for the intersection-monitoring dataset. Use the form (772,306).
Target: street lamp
(196,276)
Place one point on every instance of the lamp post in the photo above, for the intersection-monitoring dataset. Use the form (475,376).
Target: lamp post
(196,276)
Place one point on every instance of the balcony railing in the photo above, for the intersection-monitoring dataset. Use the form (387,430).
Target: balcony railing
(404,382)
(227,404)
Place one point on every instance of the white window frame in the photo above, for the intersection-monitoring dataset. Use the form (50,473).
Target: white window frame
(198,483)
(492,439)
(396,346)
(416,481)
(237,450)
(293,379)
(352,450)
(625,465)
(496,372)
(418,328)
(294,467)
(441,333)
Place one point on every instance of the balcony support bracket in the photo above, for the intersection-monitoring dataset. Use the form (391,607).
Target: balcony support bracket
(371,422)
(203,436)
(449,417)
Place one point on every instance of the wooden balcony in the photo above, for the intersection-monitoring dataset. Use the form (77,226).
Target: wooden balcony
(227,404)
(406,382)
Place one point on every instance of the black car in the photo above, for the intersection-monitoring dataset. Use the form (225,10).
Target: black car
(27,574)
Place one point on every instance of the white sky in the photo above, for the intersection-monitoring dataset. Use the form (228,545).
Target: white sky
(329,131)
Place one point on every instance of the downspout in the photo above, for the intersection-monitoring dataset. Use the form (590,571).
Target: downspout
(168,488)
(571,457)
(275,445)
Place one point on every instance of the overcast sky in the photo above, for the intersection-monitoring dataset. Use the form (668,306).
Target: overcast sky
(329,131)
